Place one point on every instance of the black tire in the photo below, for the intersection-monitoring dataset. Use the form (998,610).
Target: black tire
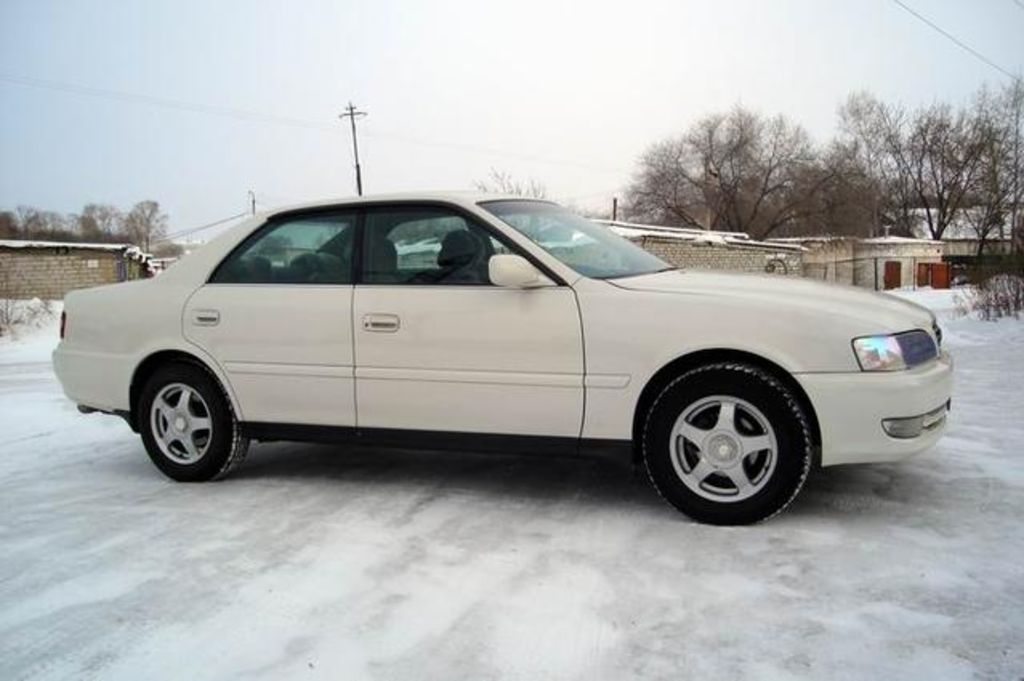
(775,402)
(225,448)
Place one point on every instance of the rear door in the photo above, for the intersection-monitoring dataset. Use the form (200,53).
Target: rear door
(277,317)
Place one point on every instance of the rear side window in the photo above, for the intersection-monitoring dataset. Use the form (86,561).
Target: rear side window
(304,250)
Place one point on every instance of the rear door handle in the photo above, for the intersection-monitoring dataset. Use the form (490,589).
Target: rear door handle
(205,317)
(381,323)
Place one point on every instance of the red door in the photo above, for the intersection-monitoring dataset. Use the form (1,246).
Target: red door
(923,274)
(892,274)
(940,275)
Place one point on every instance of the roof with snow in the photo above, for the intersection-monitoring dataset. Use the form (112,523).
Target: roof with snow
(898,240)
(127,250)
(960,226)
(821,239)
(35,243)
(737,239)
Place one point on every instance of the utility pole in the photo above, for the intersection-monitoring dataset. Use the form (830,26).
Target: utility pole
(351,113)
(615,208)
(1016,230)
(252,202)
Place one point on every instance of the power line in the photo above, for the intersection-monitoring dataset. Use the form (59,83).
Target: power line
(593,195)
(193,230)
(273,119)
(962,45)
(490,151)
(180,105)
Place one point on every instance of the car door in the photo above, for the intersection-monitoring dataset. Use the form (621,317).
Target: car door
(277,316)
(439,348)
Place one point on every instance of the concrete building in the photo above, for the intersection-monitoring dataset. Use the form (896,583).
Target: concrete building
(879,263)
(705,250)
(960,241)
(49,269)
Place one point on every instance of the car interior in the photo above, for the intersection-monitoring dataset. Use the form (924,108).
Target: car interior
(398,248)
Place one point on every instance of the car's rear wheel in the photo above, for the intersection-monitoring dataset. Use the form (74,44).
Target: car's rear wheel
(187,425)
(727,444)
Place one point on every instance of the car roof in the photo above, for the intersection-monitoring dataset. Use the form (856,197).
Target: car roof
(464,198)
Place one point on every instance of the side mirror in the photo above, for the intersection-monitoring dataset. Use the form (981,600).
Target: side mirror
(514,271)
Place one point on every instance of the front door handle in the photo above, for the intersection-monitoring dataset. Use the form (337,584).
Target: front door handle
(380,323)
(205,317)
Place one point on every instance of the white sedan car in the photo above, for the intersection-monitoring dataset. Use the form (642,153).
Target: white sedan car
(469,321)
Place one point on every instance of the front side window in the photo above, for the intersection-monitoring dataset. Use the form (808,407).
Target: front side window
(588,248)
(425,246)
(303,250)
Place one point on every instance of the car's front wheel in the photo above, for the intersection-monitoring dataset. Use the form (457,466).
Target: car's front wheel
(187,424)
(727,444)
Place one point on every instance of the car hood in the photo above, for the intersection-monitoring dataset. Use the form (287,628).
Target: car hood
(872,312)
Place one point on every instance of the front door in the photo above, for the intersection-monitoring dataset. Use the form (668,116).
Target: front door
(439,348)
(276,316)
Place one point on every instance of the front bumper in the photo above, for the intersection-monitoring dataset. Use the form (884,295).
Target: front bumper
(852,406)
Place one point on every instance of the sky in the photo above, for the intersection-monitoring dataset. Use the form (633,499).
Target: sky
(566,93)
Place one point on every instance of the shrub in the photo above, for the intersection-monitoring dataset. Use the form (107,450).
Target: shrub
(1001,295)
(24,314)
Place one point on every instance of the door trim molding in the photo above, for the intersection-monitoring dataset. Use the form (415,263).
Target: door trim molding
(543,380)
(289,369)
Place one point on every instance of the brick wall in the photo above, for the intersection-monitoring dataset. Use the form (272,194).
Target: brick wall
(705,256)
(49,273)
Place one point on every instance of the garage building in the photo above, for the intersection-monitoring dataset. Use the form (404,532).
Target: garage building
(49,269)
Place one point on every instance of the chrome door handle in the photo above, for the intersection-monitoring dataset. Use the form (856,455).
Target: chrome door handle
(205,317)
(381,323)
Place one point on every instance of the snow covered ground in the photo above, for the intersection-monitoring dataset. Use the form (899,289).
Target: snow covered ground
(312,562)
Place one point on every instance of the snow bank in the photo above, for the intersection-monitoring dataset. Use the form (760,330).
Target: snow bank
(35,330)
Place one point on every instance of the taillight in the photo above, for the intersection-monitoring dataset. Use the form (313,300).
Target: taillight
(63,323)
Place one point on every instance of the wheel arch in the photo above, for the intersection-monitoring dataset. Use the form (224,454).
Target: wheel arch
(684,363)
(152,362)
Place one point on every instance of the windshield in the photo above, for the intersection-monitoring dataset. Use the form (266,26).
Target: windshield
(590,249)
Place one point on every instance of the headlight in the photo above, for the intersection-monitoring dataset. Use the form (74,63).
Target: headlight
(894,352)
(879,353)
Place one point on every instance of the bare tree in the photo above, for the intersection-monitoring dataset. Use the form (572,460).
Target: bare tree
(502,182)
(737,172)
(1014,98)
(943,159)
(9,226)
(30,221)
(168,249)
(990,200)
(927,162)
(862,129)
(145,223)
(100,222)
(46,225)
(845,203)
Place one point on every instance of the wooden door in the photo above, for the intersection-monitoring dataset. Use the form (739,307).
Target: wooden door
(940,275)
(892,274)
(923,274)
